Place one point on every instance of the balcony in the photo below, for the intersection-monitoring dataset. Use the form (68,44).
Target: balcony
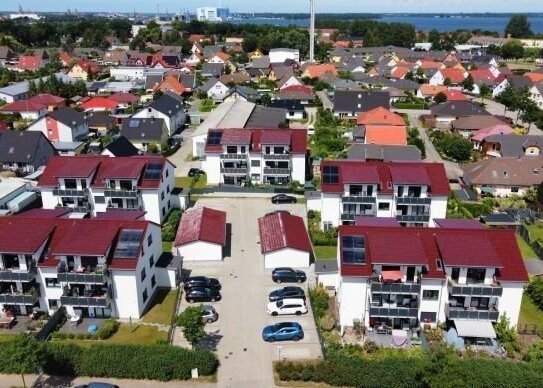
(490,314)
(395,288)
(82,277)
(19,299)
(89,299)
(121,193)
(235,170)
(363,198)
(276,171)
(233,156)
(17,275)
(413,218)
(277,156)
(414,201)
(75,209)
(70,193)
(394,312)
(474,289)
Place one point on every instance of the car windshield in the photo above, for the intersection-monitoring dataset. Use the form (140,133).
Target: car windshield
(280,303)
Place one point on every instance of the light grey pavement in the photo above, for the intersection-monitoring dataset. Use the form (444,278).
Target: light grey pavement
(326,102)
(181,159)
(534,266)
(246,360)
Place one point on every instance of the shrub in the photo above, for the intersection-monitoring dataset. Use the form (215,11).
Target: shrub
(535,291)
(319,301)
(535,351)
(508,336)
(71,335)
(81,336)
(107,329)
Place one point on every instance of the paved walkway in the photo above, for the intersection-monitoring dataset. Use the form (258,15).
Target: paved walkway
(182,158)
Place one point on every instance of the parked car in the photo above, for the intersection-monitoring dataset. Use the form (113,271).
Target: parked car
(210,314)
(97,385)
(202,294)
(283,331)
(283,198)
(196,172)
(287,292)
(286,274)
(201,281)
(287,306)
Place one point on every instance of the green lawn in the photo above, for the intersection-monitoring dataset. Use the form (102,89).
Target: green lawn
(527,251)
(326,252)
(536,231)
(7,336)
(530,313)
(187,182)
(163,307)
(137,334)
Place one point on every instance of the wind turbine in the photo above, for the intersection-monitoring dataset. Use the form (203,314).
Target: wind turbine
(312,31)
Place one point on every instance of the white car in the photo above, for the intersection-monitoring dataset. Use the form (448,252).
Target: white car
(287,306)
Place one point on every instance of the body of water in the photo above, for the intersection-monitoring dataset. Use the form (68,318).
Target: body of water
(425,23)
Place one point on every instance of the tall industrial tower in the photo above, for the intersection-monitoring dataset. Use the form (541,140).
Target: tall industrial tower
(312,31)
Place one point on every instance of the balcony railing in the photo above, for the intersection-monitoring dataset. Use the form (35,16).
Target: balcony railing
(461,313)
(231,170)
(472,289)
(121,193)
(19,299)
(7,275)
(233,156)
(113,208)
(84,278)
(414,201)
(413,218)
(75,209)
(70,193)
(395,288)
(364,199)
(394,312)
(85,301)
(276,171)
(277,156)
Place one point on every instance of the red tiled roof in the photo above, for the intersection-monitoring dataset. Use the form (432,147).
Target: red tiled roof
(361,174)
(455,74)
(406,172)
(67,167)
(282,230)
(257,137)
(482,75)
(236,137)
(23,106)
(272,136)
(47,99)
(29,62)
(99,102)
(454,245)
(22,236)
(317,71)
(381,116)
(202,224)
(386,135)
(124,98)
(455,95)
(88,66)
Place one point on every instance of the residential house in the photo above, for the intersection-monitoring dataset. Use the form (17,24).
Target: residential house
(101,122)
(212,70)
(243,93)
(294,109)
(284,241)
(383,153)
(146,134)
(219,57)
(215,89)
(413,193)
(280,55)
(263,156)
(6,55)
(235,78)
(504,176)
(348,103)
(318,71)
(27,109)
(115,57)
(24,151)
(447,112)
(84,69)
(255,54)
(428,91)
(288,82)
(536,94)
(128,73)
(381,134)
(50,101)
(98,184)
(404,278)
(14,92)
(201,235)
(380,116)
(454,76)
(466,126)
(62,125)
(299,93)
(124,100)
(121,146)
(99,104)
(168,107)
(30,63)
(505,145)
(478,137)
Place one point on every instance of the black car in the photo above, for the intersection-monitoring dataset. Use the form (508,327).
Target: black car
(201,281)
(97,385)
(202,294)
(283,198)
(196,172)
(287,292)
(289,275)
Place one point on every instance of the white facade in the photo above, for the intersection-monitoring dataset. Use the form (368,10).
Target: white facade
(212,14)
(437,79)
(55,131)
(536,96)
(280,55)
(287,257)
(127,73)
(200,251)
(218,91)
(173,121)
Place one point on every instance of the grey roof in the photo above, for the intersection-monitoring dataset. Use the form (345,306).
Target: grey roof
(498,219)
(504,172)
(143,129)
(261,63)
(283,72)
(520,81)
(385,153)
(365,79)
(404,84)
(458,109)
(211,50)
(266,117)
(212,69)
(189,80)
(354,62)
(290,105)
(5,52)
(167,104)
(208,84)
(15,89)
(340,84)
(151,80)
(326,266)
(122,147)
(100,119)
(246,92)
(359,101)
(515,145)
(19,146)
(68,116)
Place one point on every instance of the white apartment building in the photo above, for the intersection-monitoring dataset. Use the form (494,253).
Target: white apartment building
(280,55)
(467,276)
(94,268)
(413,193)
(212,14)
(99,184)
(263,156)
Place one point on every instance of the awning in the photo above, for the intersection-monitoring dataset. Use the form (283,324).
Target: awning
(475,328)
(391,276)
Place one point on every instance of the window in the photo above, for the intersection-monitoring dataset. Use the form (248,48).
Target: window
(99,199)
(83,184)
(144,295)
(143,275)
(162,196)
(153,281)
(149,240)
(400,191)
(476,275)
(54,304)
(52,283)
(243,149)
(167,173)
(231,149)
(255,163)
(70,184)
(112,184)
(427,316)
(327,225)
(430,294)
(384,206)
(169,204)
(515,189)
(163,212)
(168,189)
(151,261)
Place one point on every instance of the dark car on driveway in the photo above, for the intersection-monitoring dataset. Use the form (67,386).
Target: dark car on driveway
(201,281)
(202,294)
(287,292)
(196,172)
(283,198)
(288,275)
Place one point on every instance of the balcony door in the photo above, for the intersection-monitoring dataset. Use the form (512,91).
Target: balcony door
(410,277)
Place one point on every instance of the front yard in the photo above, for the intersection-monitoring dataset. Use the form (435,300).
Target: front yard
(325,252)
(163,307)
(530,314)
(536,231)
(187,182)
(137,334)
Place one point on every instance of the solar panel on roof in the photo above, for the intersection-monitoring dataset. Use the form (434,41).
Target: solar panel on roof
(129,243)
(134,124)
(153,171)
(330,174)
(353,250)
(214,138)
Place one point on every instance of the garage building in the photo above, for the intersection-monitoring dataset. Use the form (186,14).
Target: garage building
(284,241)
(201,235)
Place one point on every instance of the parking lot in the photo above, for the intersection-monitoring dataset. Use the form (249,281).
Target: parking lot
(246,360)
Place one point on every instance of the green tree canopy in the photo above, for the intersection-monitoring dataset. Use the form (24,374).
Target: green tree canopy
(518,27)
(192,323)
(512,49)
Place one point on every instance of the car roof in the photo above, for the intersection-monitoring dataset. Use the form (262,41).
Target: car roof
(284,269)
(281,325)
(291,300)
(197,278)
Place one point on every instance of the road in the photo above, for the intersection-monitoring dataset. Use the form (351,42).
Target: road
(182,158)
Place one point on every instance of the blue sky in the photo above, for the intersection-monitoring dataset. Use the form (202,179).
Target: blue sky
(284,5)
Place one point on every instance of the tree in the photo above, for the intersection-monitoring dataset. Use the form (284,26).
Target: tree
(434,37)
(535,351)
(518,27)
(192,323)
(265,99)
(468,84)
(26,353)
(250,43)
(485,91)
(447,82)
(513,48)
(440,97)
(507,335)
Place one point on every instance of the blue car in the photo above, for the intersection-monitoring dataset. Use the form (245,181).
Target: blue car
(283,331)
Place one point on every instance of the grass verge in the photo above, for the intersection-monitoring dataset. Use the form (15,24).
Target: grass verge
(325,252)
(162,308)
(529,313)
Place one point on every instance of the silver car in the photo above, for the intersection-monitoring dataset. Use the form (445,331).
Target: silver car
(210,314)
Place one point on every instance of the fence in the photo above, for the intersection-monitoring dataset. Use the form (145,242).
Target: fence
(529,328)
(243,189)
(523,232)
(174,315)
(58,318)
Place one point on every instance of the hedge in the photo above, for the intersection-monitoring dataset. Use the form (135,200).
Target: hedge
(402,371)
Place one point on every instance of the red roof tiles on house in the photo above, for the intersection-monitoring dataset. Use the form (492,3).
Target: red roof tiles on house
(258,137)
(23,106)
(99,103)
(124,98)
(23,236)
(282,230)
(379,116)
(29,62)
(202,224)
(454,74)
(47,99)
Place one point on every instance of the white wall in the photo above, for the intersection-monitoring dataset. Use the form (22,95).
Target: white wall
(127,73)
(437,306)
(298,168)
(331,209)
(352,299)
(328,280)
(200,251)
(438,209)
(49,201)
(286,257)
(127,302)
(509,303)
(212,166)
(48,292)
